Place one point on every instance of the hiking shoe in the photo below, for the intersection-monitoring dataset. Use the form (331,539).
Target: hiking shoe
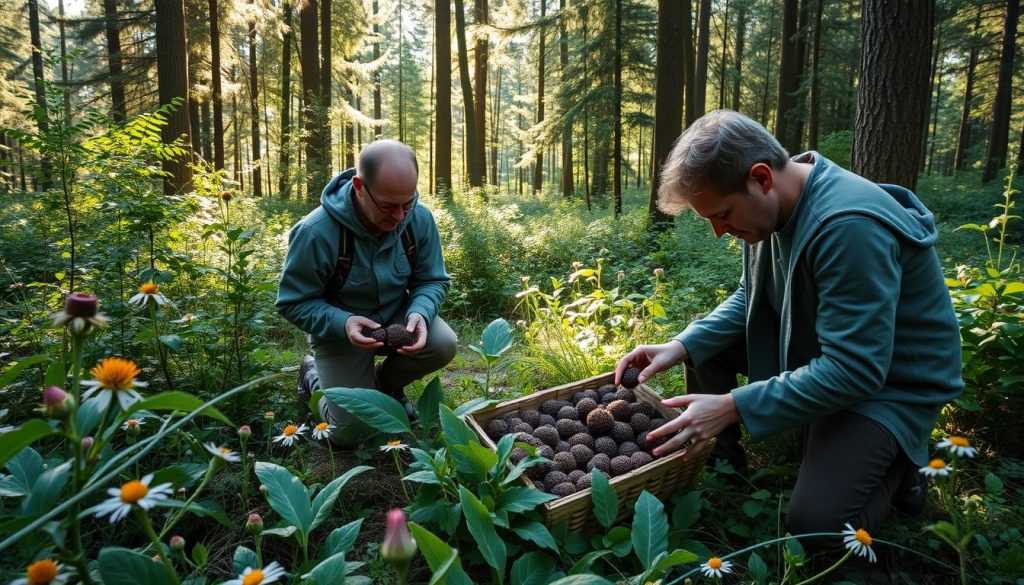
(910,496)
(308,377)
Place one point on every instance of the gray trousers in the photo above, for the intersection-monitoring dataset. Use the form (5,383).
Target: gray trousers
(343,366)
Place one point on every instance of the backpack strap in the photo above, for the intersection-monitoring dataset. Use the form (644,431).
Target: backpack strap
(409,245)
(346,252)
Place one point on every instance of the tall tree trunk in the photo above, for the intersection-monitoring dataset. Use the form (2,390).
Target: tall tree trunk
(43,124)
(700,76)
(266,130)
(584,17)
(401,74)
(218,95)
(617,115)
(689,63)
(113,28)
(538,166)
(937,104)
(797,124)
(1020,153)
(207,131)
(897,41)
(285,148)
(815,113)
(495,128)
(936,52)
(741,34)
(312,109)
(254,113)
(768,65)
(236,134)
(172,78)
(443,71)
(995,157)
(789,77)
(567,185)
(64,60)
(325,81)
(668,97)
(480,79)
(377,114)
(725,56)
(194,125)
(470,145)
(963,137)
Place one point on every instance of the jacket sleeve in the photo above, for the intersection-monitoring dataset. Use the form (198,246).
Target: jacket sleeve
(718,330)
(429,283)
(308,265)
(854,263)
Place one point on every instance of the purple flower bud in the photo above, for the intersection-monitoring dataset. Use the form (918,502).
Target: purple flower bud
(254,524)
(399,547)
(244,432)
(81,305)
(177,543)
(54,396)
(87,443)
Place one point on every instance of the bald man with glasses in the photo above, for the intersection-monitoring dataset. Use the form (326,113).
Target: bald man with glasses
(368,256)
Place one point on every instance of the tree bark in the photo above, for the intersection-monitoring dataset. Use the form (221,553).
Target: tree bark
(963,137)
(114,60)
(741,33)
(325,80)
(172,78)
(377,113)
(480,81)
(789,80)
(538,165)
(617,115)
(998,138)
(64,60)
(700,76)
(284,150)
(897,41)
(725,56)
(45,180)
(768,65)
(495,128)
(254,113)
(689,62)
(443,71)
(218,96)
(815,113)
(668,102)
(567,183)
(312,109)
(797,124)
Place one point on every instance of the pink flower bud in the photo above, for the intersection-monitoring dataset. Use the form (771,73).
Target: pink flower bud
(81,305)
(177,543)
(244,432)
(87,443)
(399,547)
(659,272)
(254,524)
(54,396)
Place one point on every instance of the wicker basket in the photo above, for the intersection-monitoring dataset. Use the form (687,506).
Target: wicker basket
(662,477)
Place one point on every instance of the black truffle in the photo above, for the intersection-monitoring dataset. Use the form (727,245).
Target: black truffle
(394,336)
(496,428)
(583,482)
(640,423)
(564,489)
(546,419)
(576,474)
(569,413)
(631,377)
(621,465)
(582,454)
(521,427)
(562,447)
(547,434)
(640,459)
(518,454)
(606,445)
(599,461)
(531,417)
(585,407)
(550,407)
(622,432)
(554,478)
(627,448)
(625,394)
(607,389)
(642,408)
(582,439)
(567,428)
(599,421)
(619,410)
(564,462)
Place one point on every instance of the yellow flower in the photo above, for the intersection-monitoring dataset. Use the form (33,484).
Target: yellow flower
(114,376)
(44,572)
(147,292)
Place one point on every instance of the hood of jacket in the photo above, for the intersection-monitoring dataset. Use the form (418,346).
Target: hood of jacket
(338,200)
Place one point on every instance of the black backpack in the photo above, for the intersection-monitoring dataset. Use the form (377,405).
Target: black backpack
(346,248)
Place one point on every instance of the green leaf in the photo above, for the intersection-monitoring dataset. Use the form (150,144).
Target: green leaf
(521,499)
(12,371)
(478,519)
(618,540)
(55,375)
(475,405)
(340,540)
(176,400)
(476,459)
(584,563)
(330,570)
(120,566)
(533,568)
(203,508)
(504,450)
(25,468)
(675,558)
(46,490)
(757,568)
(456,431)
(438,556)
(88,416)
(180,475)
(314,401)
(428,403)
(686,510)
(993,485)
(286,494)
(538,534)
(284,533)
(29,432)
(200,554)
(441,574)
(324,500)
(496,338)
(375,408)
(650,528)
(244,557)
(1013,288)
(606,503)
(172,341)
(582,580)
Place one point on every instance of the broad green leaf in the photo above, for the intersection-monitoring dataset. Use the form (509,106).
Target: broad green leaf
(314,401)
(203,508)
(244,557)
(25,468)
(583,564)
(324,500)
(993,485)
(55,375)
(423,477)
(619,540)
(29,432)
(686,510)
(538,534)
(582,580)
(373,407)
(180,475)
(478,519)
(475,405)
(476,459)
(176,400)
(757,568)
(606,503)
(46,490)
(428,403)
(666,562)
(504,450)
(496,338)
(456,431)
(200,554)
(88,416)
(533,568)
(284,533)
(438,556)
(522,499)
(441,574)
(331,570)
(120,566)
(340,540)
(286,494)
(172,341)
(1013,288)
(650,529)
(12,371)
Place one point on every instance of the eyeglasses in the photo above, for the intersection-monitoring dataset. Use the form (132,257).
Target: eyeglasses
(389,208)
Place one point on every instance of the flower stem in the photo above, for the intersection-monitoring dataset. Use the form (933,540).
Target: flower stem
(195,494)
(334,470)
(155,542)
(160,348)
(828,570)
(398,466)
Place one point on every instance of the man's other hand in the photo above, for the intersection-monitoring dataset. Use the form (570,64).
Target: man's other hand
(354,327)
(416,325)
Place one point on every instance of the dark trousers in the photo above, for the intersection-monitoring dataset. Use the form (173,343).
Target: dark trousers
(850,469)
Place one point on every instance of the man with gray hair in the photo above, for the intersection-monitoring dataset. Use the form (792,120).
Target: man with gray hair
(842,323)
(369,256)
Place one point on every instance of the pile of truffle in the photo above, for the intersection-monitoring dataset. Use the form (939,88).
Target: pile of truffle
(604,428)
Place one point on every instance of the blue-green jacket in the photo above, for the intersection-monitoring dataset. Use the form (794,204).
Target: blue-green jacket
(380,277)
(866,322)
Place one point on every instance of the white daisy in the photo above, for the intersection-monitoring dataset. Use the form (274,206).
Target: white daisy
(147,292)
(223,453)
(936,468)
(395,445)
(958,446)
(186,319)
(715,567)
(44,572)
(251,576)
(114,376)
(132,423)
(290,435)
(322,431)
(134,493)
(859,541)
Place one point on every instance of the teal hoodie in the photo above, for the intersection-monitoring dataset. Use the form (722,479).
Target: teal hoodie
(866,322)
(380,277)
